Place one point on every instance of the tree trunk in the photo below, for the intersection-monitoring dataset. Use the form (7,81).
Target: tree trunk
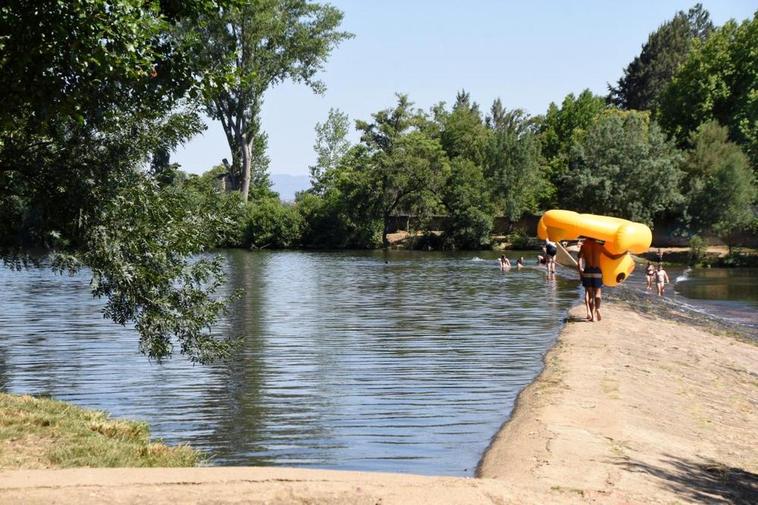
(385,231)
(246,167)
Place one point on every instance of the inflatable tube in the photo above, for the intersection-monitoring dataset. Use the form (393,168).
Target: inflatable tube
(619,235)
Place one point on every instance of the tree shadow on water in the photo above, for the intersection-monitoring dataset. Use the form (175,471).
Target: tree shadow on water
(703,481)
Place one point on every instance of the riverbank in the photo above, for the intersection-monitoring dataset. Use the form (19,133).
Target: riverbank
(46,433)
(638,408)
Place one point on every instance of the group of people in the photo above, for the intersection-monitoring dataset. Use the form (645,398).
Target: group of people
(658,276)
(588,265)
(505,263)
(592,277)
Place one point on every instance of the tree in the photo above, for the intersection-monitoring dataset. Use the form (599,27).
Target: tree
(666,48)
(405,165)
(269,223)
(624,166)
(345,214)
(250,47)
(78,126)
(719,185)
(330,147)
(463,133)
(466,198)
(512,166)
(558,131)
(719,80)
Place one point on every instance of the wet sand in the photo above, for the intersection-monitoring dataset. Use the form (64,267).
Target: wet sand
(633,409)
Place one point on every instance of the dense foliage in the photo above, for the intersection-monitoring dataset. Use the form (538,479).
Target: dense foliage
(624,166)
(91,90)
(719,186)
(718,81)
(648,74)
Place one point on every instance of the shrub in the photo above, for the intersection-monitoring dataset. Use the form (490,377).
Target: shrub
(697,250)
(470,228)
(268,223)
(518,239)
(328,222)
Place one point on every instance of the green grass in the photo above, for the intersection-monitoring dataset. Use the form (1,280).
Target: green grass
(45,433)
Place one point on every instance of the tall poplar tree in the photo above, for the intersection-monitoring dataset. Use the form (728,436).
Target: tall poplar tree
(250,47)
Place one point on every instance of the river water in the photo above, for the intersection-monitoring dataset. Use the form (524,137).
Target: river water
(728,294)
(405,362)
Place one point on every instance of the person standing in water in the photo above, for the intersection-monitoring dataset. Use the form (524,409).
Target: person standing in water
(592,278)
(649,275)
(551,249)
(661,279)
(505,263)
(521,262)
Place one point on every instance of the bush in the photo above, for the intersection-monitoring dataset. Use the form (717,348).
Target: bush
(518,239)
(268,223)
(327,222)
(698,249)
(470,228)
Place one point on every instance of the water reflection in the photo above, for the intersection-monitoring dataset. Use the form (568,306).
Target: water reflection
(720,284)
(724,293)
(407,362)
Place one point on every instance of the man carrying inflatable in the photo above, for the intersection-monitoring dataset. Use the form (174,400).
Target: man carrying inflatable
(592,277)
(605,255)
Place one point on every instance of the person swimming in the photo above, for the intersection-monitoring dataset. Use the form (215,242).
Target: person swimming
(505,263)
(521,262)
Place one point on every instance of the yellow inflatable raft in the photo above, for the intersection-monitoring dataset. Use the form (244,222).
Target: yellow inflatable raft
(620,236)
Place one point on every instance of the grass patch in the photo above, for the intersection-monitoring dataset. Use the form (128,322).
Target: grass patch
(45,433)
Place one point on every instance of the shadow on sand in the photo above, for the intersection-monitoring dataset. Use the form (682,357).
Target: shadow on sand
(703,481)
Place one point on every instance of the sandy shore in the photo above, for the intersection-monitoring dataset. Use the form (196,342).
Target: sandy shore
(634,409)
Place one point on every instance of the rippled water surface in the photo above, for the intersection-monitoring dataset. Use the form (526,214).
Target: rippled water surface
(407,362)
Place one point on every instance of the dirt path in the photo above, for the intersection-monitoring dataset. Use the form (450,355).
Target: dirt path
(629,410)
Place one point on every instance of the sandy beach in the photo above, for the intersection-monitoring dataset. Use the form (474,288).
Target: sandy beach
(636,409)
(633,409)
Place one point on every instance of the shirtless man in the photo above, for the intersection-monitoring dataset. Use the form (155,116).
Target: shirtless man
(592,278)
(661,279)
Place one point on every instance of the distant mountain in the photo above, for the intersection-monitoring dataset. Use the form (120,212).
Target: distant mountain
(287,185)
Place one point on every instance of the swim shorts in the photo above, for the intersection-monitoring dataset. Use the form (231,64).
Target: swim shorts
(551,250)
(592,278)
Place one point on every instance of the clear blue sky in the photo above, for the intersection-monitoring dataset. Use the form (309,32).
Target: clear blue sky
(528,53)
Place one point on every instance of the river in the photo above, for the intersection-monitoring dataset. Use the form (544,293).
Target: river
(405,362)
